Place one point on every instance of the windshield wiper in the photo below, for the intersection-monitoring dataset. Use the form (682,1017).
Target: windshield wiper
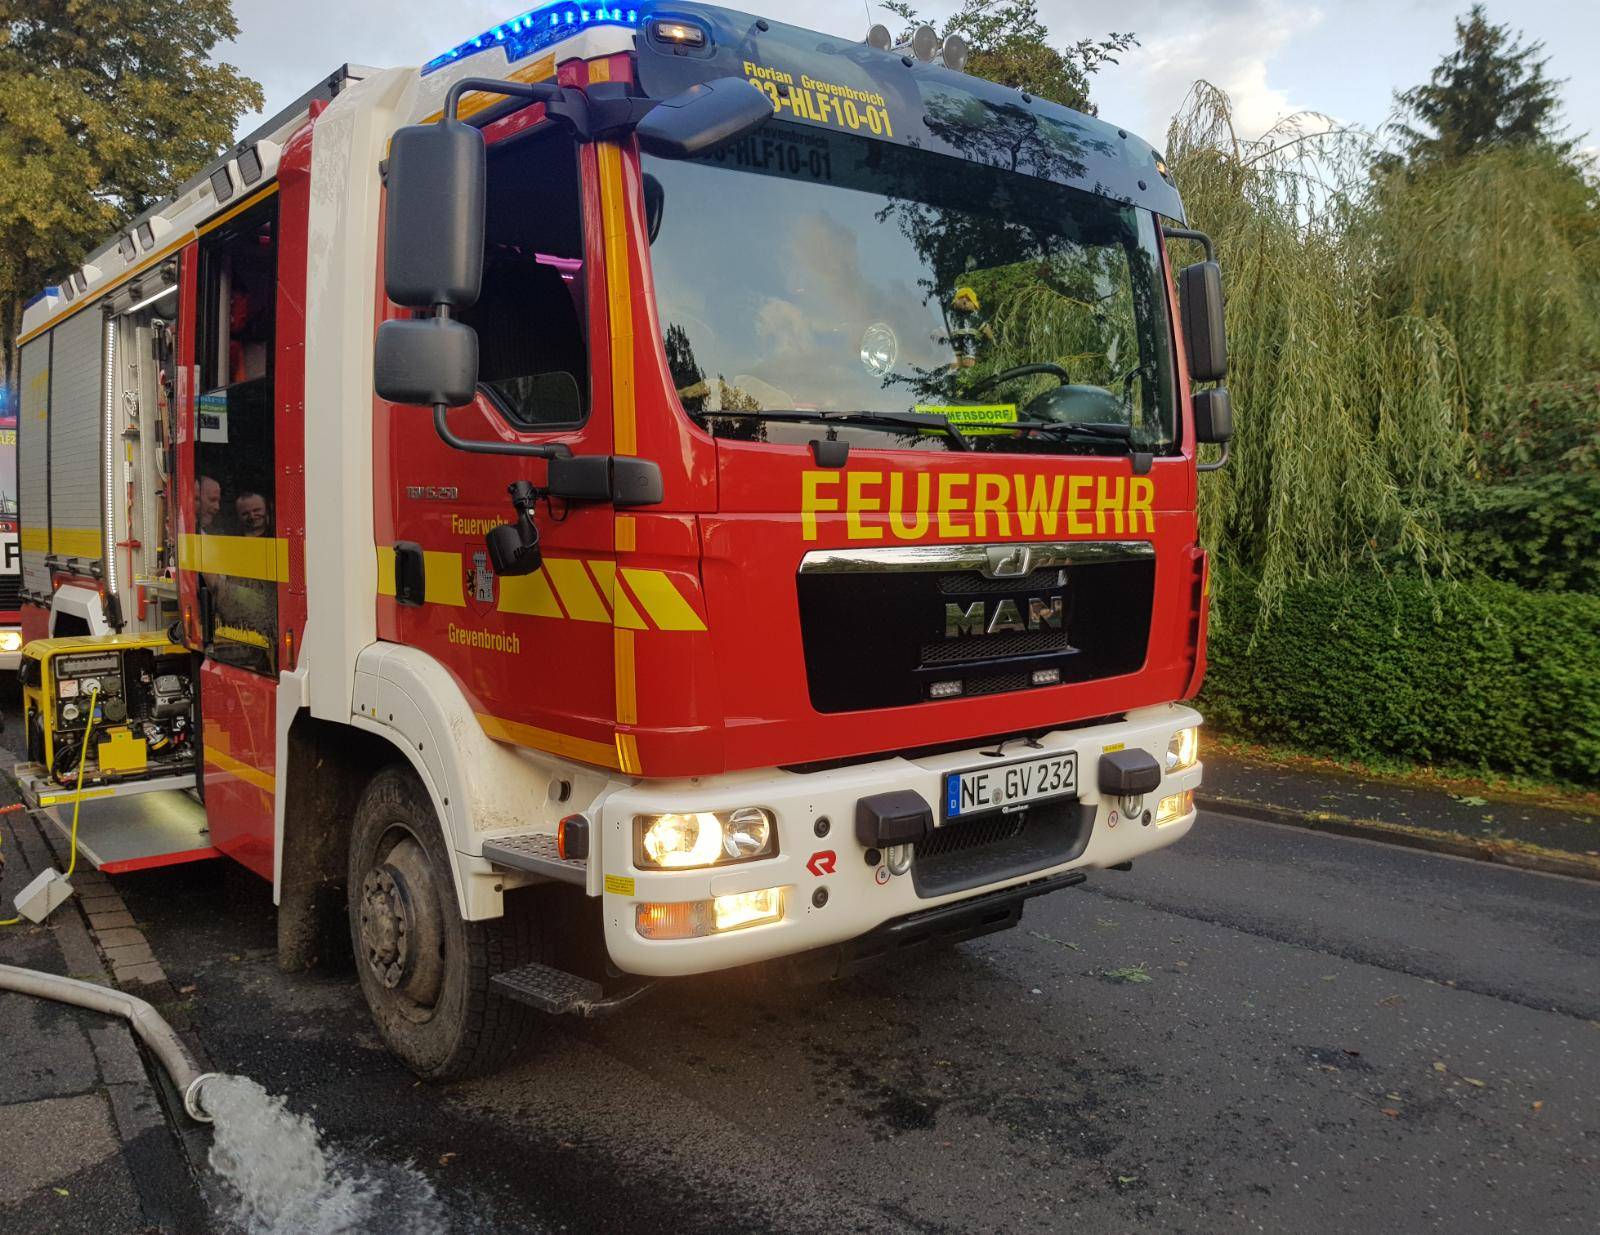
(898,420)
(1093,432)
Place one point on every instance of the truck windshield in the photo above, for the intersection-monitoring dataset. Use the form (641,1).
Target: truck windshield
(822,276)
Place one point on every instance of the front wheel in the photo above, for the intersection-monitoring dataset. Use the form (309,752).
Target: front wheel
(425,970)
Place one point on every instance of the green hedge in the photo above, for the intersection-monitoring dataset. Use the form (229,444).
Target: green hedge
(1481,673)
(1542,532)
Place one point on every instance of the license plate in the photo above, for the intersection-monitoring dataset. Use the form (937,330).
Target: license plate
(1010,784)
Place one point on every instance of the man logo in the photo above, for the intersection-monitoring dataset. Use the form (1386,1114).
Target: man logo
(1044,613)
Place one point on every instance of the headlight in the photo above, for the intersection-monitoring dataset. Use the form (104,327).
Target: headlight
(1184,749)
(705,838)
(1175,807)
(10,641)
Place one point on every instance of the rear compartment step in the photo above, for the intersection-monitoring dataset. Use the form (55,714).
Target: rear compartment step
(535,852)
(127,825)
(564,994)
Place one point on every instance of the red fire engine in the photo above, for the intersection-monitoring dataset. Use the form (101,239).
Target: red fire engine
(651,490)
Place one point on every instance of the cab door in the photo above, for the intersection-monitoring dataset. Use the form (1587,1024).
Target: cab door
(232,555)
(535,653)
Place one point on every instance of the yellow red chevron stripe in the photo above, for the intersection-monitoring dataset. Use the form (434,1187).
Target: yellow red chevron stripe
(567,588)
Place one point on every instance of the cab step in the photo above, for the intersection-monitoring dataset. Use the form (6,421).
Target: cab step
(564,994)
(535,852)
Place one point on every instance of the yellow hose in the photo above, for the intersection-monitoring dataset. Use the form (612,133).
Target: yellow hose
(77,797)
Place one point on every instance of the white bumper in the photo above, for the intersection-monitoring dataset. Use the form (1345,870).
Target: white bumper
(859,896)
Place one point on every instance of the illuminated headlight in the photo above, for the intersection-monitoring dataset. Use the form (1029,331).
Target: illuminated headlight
(1184,749)
(10,641)
(1175,807)
(705,838)
(695,919)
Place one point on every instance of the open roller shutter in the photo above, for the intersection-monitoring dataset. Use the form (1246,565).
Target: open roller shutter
(76,412)
(33,494)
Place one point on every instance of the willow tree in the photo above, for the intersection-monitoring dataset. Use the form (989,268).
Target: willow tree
(1373,321)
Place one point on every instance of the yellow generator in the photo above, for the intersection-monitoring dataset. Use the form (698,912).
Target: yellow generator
(129,697)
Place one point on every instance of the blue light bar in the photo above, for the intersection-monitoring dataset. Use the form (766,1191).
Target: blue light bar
(537,29)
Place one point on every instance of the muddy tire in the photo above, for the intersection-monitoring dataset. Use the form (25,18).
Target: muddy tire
(423,969)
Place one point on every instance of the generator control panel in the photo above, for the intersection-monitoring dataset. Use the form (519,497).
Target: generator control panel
(122,706)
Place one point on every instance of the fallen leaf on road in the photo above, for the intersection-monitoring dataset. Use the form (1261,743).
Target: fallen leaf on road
(1391,1112)
(1473,1081)
(1391,1001)
(186,990)
(61,1192)
(1129,973)
(445,1159)
(1439,1067)
(1469,800)
(1125,1180)
(1539,1105)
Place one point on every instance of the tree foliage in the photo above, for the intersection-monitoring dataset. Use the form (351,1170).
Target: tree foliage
(105,107)
(1489,91)
(1010,45)
(1374,327)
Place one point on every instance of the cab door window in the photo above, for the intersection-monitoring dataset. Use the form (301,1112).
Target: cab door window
(234,456)
(532,351)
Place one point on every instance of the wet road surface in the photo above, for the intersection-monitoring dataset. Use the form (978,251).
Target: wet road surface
(1258,1029)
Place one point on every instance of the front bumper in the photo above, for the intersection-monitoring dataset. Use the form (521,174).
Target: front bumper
(818,851)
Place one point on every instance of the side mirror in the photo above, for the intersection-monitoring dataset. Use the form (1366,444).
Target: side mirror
(702,118)
(1204,338)
(1213,416)
(434,216)
(429,361)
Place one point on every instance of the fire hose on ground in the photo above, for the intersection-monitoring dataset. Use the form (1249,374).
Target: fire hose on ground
(145,1021)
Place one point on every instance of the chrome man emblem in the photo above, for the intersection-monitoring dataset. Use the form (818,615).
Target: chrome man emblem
(1007,617)
(1008,561)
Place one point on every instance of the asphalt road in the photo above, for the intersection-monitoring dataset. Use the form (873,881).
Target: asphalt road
(1260,1029)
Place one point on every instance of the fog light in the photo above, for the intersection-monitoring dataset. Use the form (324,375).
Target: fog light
(944,690)
(1046,677)
(1175,807)
(1184,749)
(10,641)
(696,919)
(703,838)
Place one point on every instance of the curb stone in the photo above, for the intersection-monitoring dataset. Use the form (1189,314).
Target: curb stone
(1543,861)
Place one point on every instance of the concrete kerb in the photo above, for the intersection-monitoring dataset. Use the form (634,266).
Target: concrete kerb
(147,1113)
(1521,856)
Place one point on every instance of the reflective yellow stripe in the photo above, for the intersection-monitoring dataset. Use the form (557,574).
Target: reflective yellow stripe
(627,680)
(628,755)
(241,557)
(619,300)
(528,594)
(519,734)
(75,542)
(577,592)
(255,199)
(263,781)
(562,588)
(385,570)
(605,572)
(35,540)
(626,534)
(443,577)
(662,600)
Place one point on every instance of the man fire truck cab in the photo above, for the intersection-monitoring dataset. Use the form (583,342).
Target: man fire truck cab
(801,559)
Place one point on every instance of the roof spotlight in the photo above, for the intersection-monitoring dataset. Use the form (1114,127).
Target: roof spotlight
(880,37)
(925,43)
(955,52)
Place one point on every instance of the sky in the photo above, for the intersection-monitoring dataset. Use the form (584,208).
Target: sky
(1341,58)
